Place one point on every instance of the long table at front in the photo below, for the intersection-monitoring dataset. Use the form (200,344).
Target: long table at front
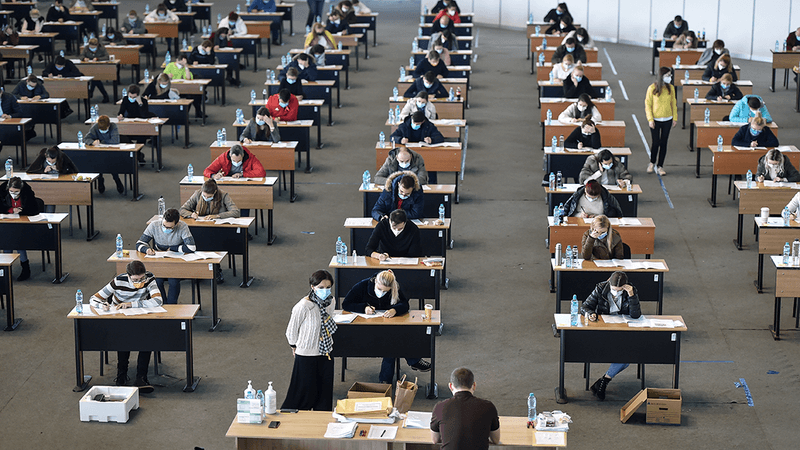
(306,429)
(600,342)
(735,161)
(278,157)
(169,331)
(444,157)
(121,158)
(22,234)
(787,284)
(628,200)
(204,269)
(757,196)
(7,261)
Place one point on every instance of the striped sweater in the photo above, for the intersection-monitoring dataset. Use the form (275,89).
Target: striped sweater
(121,290)
(179,240)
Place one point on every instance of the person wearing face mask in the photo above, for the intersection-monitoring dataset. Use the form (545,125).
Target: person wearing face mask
(755,134)
(162,15)
(175,5)
(107,133)
(581,37)
(686,40)
(282,106)
(345,9)
(444,23)
(580,110)
(555,14)
(112,37)
(238,162)
(382,293)
(420,102)
(159,89)
(52,161)
(402,190)
(203,54)
(577,83)
(724,90)
(606,168)
(209,203)
(723,66)
(234,24)
(167,234)
(136,288)
(746,109)
(395,237)
(661,109)
(675,28)
(310,333)
(133,24)
(793,41)
(318,53)
(586,136)
(443,4)
(614,296)
(261,128)
(776,166)
(428,83)
(292,84)
(32,23)
(601,241)
(417,128)
(306,69)
(710,54)
(30,88)
(81,6)
(561,28)
(96,52)
(402,158)
(134,106)
(17,197)
(262,6)
(563,69)
(590,200)
(452,12)
(61,68)
(320,36)
(569,48)
(448,39)
(335,24)
(432,63)
(178,69)
(57,12)
(360,8)
(439,47)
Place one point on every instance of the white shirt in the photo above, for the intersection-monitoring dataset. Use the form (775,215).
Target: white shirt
(239,28)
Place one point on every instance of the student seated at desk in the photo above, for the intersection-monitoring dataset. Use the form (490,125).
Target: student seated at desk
(133,25)
(710,55)
(162,15)
(592,199)
(570,47)
(306,69)
(439,47)
(686,40)
(360,8)
(237,162)
(179,70)
(443,4)
(555,14)
(417,128)
(334,25)
(345,9)
(464,420)
(448,38)
(61,68)
(428,83)
(234,24)
(452,12)
(30,88)
(112,37)
(175,5)
(402,190)
(136,288)
(420,102)
(52,161)
(675,28)
(106,133)
(604,167)
(382,293)
(746,109)
(81,6)
(722,66)
(402,158)
(203,54)
(261,128)
(563,69)
(134,106)
(9,108)
(95,51)
(209,203)
(291,84)
(167,234)
(776,166)
(614,296)
(580,110)
(755,134)
(576,84)
(601,241)
(793,41)
(32,24)
(319,35)
(309,333)
(17,197)
(724,89)
(160,89)
(262,6)
(283,107)
(581,36)
(394,237)
(444,23)
(57,12)
(9,36)
(432,63)
(584,136)
(561,28)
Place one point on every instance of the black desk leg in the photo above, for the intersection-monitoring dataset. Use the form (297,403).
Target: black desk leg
(90,231)
(135,175)
(330,112)
(246,278)
(772,85)
(60,275)
(292,195)
(561,393)
(270,236)
(308,157)
(713,200)
(214,315)
(457,197)
(433,390)
(776,325)
(557,286)
(11,322)
(760,280)
(676,369)
(319,133)
(738,240)
(186,142)
(683,121)
(158,149)
(338,95)
(191,381)
(81,380)
(203,100)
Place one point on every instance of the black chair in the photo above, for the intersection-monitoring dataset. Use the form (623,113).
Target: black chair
(626,251)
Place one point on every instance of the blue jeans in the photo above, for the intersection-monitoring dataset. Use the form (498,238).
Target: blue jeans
(174,290)
(615,368)
(387,368)
(314,10)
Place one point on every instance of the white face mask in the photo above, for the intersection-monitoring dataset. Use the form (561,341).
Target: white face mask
(404,165)
(616,293)
(592,199)
(14,195)
(718,51)
(236,164)
(581,108)
(396,232)
(379,293)
(667,79)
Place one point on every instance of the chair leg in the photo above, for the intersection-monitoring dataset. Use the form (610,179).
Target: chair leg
(233,259)
(78,210)
(42,260)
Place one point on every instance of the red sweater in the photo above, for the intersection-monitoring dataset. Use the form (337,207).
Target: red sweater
(251,166)
(288,114)
(454,18)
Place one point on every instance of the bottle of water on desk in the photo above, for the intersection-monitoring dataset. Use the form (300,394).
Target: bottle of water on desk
(552,181)
(30,70)
(365,180)
(224,135)
(553,143)
(531,407)
(344,253)
(422,20)
(253,95)
(796,252)
(419,31)
(451,96)
(686,75)
(397,113)
(167,58)
(544,47)
(260,398)
(559,180)
(79,302)
(283,60)
(395,93)
(549,112)
(85,40)
(557,216)
(184,45)
(80,140)
(677,60)
(749,178)
(415,46)
(402,77)
(530,19)
(696,94)
(777,46)
(119,246)
(655,34)
(608,93)
(124,93)
(706,115)
(663,44)
(162,205)
(787,216)
(784,45)
(382,139)
(147,11)
(719,142)
(441,212)
(339,250)
(411,62)
(264,91)
(190,173)
(391,117)
(103,30)
(541,59)
(568,257)
(9,168)
(786,253)
(552,77)
(561,143)
(574,313)
(146,75)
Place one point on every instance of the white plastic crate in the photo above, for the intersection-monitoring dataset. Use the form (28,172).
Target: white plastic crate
(124,399)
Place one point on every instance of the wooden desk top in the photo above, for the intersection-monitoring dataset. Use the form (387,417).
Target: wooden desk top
(83,79)
(15,121)
(65,23)
(39,34)
(417,146)
(685,83)
(602,326)
(366,262)
(732,149)
(139,36)
(304,102)
(199,180)
(120,46)
(756,186)
(572,188)
(430,98)
(294,124)
(53,218)
(107,62)
(138,256)
(86,13)
(179,312)
(201,81)
(428,38)
(208,223)
(450,68)
(426,189)
(180,101)
(328,67)
(149,121)
(103,148)
(411,79)
(370,223)
(761,224)
(43,101)
(697,67)
(7,259)
(703,102)
(557,82)
(160,22)
(440,123)
(414,317)
(280,145)
(591,266)
(644,222)
(328,51)
(86,178)
(679,50)
(719,124)
(228,49)
(616,151)
(329,83)
(456,52)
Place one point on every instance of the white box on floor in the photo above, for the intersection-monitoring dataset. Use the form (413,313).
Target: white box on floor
(119,401)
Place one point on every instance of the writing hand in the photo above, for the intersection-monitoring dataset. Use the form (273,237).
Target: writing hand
(119,117)
(369,310)
(96,142)
(404,141)
(194,215)
(150,251)
(17,210)
(236,175)
(580,146)
(390,313)
(754,144)
(427,140)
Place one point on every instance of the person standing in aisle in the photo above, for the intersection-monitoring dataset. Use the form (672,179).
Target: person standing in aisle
(661,109)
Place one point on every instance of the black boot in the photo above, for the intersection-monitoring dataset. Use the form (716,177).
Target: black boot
(120,186)
(143,384)
(599,387)
(122,377)
(101,184)
(26,271)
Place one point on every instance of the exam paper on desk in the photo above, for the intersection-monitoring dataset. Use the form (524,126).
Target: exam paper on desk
(382,432)
(786,184)
(402,261)
(549,438)
(339,430)
(418,419)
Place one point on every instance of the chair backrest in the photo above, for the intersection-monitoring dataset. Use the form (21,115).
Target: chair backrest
(626,251)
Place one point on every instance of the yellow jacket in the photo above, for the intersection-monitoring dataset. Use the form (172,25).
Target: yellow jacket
(662,105)
(328,36)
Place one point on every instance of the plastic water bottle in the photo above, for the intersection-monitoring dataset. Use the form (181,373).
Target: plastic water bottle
(147,10)
(561,143)
(704,34)
(146,74)
(441,212)
(559,180)
(426,10)
(569,257)
(397,112)
(264,92)
(190,173)
(79,301)
(240,114)
(339,45)
(402,75)
(61,53)
(344,253)
(271,400)
(531,407)
(415,46)
(655,34)
(777,46)
(9,168)
(663,44)
(696,94)
(796,252)
(224,135)
(552,181)
(103,30)
(549,112)
(124,93)
(80,140)
(573,311)
(677,60)
(422,20)
(167,58)
(419,31)
(189,7)
(784,45)
(260,397)
(561,209)
(184,45)
(451,95)
(556,216)
(786,253)
(339,250)
(119,246)
(552,77)
(538,30)
(365,180)
(608,93)
(541,59)
(219,137)
(686,75)
(283,61)
(391,117)
(707,116)
(530,18)
(411,61)
(382,139)
(787,216)
(749,178)
(544,46)
(162,206)
(554,144)
(719,142)
(85,41)
(250,392)
(253,95)
(395,93)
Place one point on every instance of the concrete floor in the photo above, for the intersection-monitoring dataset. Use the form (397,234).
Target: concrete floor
(498,309)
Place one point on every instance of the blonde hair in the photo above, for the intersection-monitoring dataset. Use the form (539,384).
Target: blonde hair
(568,58)
(387,279)
(163,78)
(602,221)
(759,120)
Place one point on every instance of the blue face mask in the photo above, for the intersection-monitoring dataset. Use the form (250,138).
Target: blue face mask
(93,49)
(260,122)
(322,293)
(110,36)
(415,126)
(403,197)
(30,88)
(578,79)
(102,131)
(755,132)
(208,199)
(166,230)
(60,68)
(559,12)
(570,49)
(291,81)
(725,87)
(592,199)
(163,86)
(283,105)
(132,100)
(427,85)
(131,21)
(603,236)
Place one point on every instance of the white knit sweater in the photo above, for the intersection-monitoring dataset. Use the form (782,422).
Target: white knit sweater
(304,327)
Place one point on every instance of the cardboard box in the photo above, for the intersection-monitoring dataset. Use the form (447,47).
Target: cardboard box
(367,390)
(663,406)
(119,401)
(365,408)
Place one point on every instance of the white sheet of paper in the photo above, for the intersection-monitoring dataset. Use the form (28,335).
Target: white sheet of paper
(344,318)
(418,419)
(549,438)
(233,221)
(402,261)
(9,216)
(562,320)
(382,432)
(358,222)
(789,184)
(749,148)
(378,313)
(338,430)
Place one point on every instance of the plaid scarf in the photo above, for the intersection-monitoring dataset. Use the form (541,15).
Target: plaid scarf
(328,326)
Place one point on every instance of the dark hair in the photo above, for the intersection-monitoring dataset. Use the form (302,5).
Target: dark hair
(679,18)
(462,378)
(418,117)
(754,102)
(563,6)
(61,61)
(618,279)
(407,182)
(132,12)
(53,152)
(587,121)
(222,30)
(207,43)
(433,54)
(135,268)
(284,94)
(172,216)
(303,56)
(429,76)
(161,7)
(586,98)
(605,155)
(133,89)
(570,41)
(292,71)
(567,19)
(719,43)
(660,81)
(263,111)
(237,150)
(593,188)
(15,182)
(318,277)
(582,32)
(398,216)
(32,78)
(422,94)
(210,186)
(232,17)
(317,49)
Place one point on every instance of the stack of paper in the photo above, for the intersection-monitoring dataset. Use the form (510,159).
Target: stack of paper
(382,432)
(631,264)
(337,430)
(418,419)
(233,221)
(344,318)
(9,216)
(737,147)
(402,261)
(789,184)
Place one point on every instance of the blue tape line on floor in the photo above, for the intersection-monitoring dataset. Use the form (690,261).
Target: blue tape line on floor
(747,393)
(772,372)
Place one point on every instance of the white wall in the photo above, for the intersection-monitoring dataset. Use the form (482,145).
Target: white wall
(748,27)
